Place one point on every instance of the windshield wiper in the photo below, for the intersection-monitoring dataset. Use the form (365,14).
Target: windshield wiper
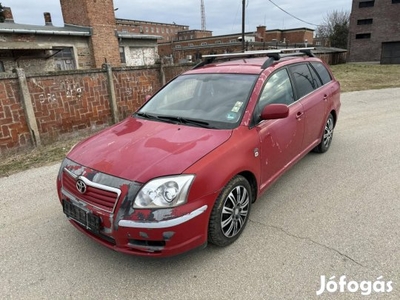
(182,120)
(175,120)
(196,122)
(147,116)
(153,117)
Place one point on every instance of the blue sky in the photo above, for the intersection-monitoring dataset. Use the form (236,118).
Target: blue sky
(222,16)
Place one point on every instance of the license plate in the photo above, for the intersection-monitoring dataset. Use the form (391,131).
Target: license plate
(89,220)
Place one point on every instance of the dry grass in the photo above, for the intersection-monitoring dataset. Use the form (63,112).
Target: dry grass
(353,77)
(358,77)
(31,158)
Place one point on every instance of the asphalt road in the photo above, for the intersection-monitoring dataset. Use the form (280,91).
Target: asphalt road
(333,214)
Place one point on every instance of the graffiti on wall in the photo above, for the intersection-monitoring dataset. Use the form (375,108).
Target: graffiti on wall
(50,94)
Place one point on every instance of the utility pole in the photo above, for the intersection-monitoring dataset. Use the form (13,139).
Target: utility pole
(243,25)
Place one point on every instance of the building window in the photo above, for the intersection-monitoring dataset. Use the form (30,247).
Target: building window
(204,43)
(152,29)
(232,41)
(147,29)
(167,30)
(122,54)
(363,4)
(190,45)
(218,42)
(363,36)
(64,59)
(2,67)
(157,30)
(364,22)
(178,47)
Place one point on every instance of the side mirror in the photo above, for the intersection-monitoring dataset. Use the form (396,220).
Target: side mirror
(275,111)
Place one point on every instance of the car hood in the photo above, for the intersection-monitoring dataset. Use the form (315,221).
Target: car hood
(140,150)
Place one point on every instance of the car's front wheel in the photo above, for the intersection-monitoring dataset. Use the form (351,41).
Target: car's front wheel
(230,212)
(327,136)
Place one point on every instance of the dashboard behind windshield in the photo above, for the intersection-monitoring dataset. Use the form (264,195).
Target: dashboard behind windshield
(215,99)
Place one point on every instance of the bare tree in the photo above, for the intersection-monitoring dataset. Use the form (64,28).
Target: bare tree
(335,27)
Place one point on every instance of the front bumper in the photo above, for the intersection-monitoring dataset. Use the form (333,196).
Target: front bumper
(148,237)
(100,206)
(152,240)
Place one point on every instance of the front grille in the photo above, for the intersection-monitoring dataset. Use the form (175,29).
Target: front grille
(97,197)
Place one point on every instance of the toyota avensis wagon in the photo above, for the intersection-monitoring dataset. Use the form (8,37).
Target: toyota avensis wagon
(185,168)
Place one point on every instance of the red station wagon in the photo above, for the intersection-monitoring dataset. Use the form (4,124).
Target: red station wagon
(185,168)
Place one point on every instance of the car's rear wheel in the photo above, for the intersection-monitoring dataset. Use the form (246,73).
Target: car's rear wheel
(230,212)
(327,136)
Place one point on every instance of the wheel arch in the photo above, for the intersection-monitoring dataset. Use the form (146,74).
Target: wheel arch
(253,183)
(334,115)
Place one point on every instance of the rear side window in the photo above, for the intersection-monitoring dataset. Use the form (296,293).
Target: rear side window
(317,80)
(304,82)
(322,72)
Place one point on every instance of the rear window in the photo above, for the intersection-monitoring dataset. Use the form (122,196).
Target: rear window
(322,72)
(303,80)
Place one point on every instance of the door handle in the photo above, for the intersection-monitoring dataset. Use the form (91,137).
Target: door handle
(299,114)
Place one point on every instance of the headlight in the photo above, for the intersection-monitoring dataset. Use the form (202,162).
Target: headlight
(164,192)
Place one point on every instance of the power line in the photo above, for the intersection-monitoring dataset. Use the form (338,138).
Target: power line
(292,14)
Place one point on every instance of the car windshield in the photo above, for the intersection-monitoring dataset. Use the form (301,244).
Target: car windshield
(204,100)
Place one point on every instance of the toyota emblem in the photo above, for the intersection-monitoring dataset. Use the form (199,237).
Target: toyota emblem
(81,186)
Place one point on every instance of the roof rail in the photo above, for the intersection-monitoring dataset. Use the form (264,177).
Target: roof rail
(273,55)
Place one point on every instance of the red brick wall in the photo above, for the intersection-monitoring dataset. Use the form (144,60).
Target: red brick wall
(172,71)
(74,12)
(13,128)
(68,103)
(73,101)
(131,88)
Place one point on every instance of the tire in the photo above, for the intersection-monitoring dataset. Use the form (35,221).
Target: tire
(327,136)
(230,212)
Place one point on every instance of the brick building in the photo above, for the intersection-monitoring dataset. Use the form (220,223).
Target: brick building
(90,37)
(188,47)
(165,32)
(375,31)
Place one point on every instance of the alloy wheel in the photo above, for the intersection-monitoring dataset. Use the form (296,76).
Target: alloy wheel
(235,211)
